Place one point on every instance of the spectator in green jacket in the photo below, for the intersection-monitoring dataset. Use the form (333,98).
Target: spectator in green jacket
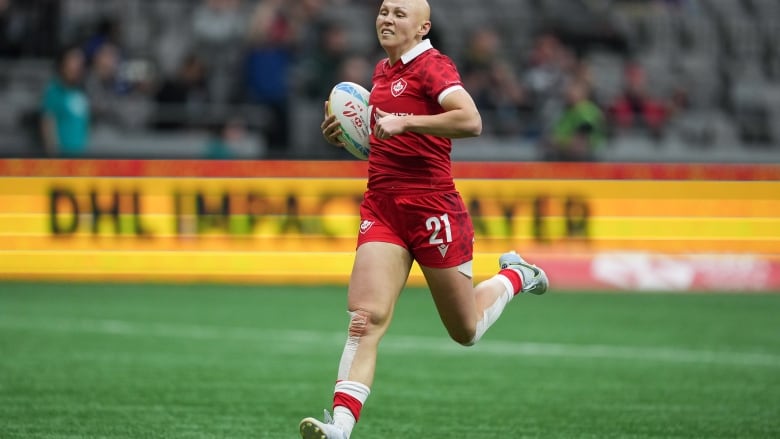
(579,132)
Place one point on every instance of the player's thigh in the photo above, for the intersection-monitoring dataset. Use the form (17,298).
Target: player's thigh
(378,275)
(453,294)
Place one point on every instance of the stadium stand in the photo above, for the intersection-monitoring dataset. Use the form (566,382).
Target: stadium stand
(712,67)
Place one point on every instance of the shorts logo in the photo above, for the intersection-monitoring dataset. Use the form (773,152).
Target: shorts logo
(398,87)
(365,225)
(443,249)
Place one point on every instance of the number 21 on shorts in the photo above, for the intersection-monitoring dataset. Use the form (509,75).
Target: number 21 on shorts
(434,225)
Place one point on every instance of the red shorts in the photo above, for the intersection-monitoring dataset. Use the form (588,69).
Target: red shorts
(435,227)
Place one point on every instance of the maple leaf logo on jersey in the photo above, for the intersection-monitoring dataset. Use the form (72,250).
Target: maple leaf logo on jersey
(365,225)
(398,87)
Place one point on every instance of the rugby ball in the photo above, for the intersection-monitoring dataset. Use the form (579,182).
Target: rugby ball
(349,102)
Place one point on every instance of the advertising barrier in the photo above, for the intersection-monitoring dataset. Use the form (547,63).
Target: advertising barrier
(627,227)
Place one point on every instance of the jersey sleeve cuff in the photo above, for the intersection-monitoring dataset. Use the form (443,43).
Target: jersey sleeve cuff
(447,92)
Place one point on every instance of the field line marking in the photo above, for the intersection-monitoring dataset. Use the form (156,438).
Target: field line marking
(397,344)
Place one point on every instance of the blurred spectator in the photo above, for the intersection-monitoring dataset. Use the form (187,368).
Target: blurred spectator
(306,19)
(492,82)
(181,100)
(218,29)
(320,67)
(104,86)
(482,49)
(65,115)
(108,31)
(507,99)
(225,137)
(549,67)
(357,69)
(635,108)
(579,132)
(267,66)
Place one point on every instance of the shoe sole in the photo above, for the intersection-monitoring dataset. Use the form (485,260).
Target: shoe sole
(310,430)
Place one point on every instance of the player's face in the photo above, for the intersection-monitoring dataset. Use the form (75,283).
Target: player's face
(400,23)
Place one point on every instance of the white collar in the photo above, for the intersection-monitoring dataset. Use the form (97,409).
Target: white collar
(416,51)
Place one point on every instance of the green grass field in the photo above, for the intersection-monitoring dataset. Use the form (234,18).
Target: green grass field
(214,361)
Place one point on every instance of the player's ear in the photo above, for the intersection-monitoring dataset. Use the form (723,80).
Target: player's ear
(425,27)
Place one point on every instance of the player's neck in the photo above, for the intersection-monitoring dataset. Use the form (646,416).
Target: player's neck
(395,54)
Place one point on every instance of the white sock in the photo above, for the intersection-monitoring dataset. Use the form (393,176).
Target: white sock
(493,312)
(351,395)
(343,418)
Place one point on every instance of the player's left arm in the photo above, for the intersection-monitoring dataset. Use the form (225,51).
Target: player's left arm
(460,118)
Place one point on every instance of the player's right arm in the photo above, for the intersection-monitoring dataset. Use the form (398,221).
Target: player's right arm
(459,119)
(331,129)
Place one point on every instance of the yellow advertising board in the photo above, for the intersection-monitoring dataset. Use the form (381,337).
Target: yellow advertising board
(322,214)
(303,229)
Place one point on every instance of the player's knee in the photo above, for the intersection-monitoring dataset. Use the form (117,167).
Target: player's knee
(463,336)
(364,321)
(359,322)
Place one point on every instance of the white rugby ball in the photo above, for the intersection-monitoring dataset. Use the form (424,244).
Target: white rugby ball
(349,102)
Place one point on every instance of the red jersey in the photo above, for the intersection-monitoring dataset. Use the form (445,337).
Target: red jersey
(414,85)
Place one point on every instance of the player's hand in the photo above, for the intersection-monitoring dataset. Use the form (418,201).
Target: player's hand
(387,124)
(331,129)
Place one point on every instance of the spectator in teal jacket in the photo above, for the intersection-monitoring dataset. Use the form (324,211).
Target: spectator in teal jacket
(65,108)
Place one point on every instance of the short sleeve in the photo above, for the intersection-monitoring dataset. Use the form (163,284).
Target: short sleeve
(439,76)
